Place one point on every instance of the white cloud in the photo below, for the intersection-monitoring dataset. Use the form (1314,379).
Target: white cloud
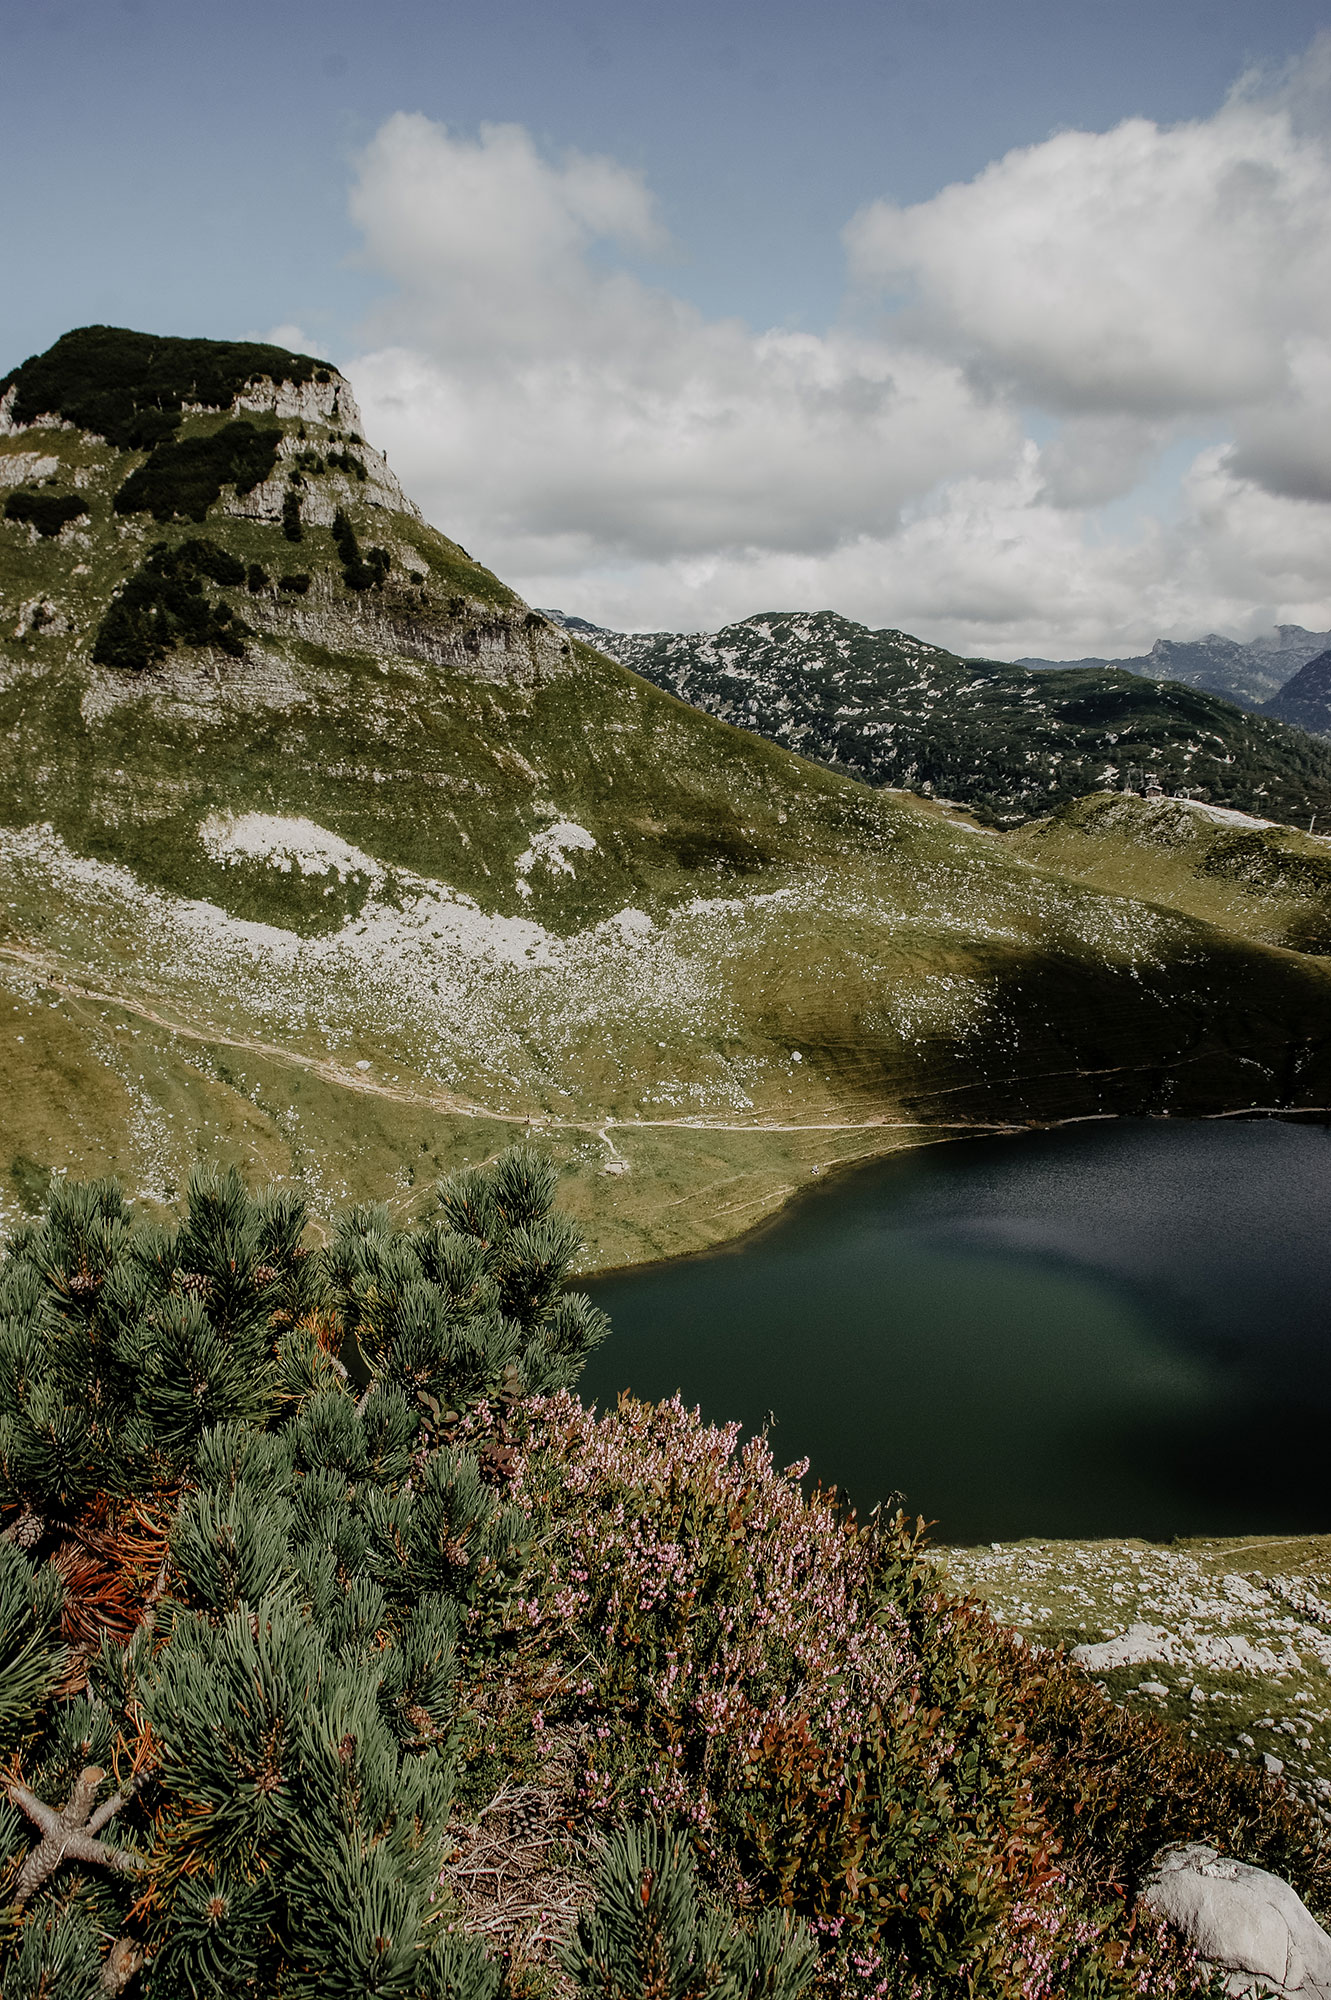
(989,567)
(1134,270)
(571,411)
(1141,274)
(608,449)
(294,338)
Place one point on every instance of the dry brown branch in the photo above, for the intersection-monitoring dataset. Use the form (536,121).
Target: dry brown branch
(518,1872)
(70,1832)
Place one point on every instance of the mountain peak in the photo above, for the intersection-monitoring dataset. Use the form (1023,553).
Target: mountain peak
(133,389)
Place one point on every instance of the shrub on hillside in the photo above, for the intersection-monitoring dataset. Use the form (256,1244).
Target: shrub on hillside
(296,581)
(359,572)
(291,525)
(234,1591)
(48,513)
(183,477)
(845,1740)
(650,1932)
(163,605)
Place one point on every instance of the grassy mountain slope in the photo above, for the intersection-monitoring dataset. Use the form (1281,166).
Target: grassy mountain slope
(351,876)
(1265,882)
(1008,742)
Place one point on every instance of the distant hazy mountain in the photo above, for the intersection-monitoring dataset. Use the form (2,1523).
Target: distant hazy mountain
(1306,700)
(1006,741)
(1248,674)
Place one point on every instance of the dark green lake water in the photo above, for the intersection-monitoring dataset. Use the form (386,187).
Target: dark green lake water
(1118,1329)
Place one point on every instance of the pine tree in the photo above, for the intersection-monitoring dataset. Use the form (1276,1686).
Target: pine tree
(235,1584)
(649,1937)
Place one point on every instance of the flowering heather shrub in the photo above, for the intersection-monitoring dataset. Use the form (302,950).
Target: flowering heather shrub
(790,1685)
(1124,1785)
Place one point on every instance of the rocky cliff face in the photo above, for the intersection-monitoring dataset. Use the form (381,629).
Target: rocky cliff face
(426,601)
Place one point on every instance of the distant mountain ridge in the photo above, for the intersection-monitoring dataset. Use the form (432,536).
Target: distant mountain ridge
(1305,701)
(1248,672)
(1009,742)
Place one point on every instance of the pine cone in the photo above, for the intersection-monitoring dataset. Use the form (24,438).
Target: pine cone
(194,1284)
(28,1530)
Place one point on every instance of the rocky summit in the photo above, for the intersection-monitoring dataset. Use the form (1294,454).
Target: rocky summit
(1247,671)
(326,855)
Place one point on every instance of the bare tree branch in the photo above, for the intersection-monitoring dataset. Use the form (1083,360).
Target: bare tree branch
(122,1962)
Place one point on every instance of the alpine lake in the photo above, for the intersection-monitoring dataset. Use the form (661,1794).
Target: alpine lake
(1112,1329)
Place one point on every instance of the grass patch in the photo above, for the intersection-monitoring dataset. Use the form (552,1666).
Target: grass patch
(1271,884)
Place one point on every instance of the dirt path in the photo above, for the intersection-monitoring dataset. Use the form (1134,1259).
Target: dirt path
(335,1073)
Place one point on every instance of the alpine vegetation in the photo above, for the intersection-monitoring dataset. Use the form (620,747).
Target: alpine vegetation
(344,1652)
(236,1590)
(326,854)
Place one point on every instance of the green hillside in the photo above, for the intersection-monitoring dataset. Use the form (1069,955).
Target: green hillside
(1262,881)
(324,854)
(1007,741)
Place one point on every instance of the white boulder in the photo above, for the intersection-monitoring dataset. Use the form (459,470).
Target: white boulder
(1244,1920)
(1138,1646)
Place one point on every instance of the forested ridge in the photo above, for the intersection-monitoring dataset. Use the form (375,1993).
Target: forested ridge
(1010,742)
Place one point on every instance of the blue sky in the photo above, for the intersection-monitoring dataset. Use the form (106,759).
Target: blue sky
(238,169)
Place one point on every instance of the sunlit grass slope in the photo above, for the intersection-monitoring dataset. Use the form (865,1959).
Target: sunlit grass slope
(1263,881)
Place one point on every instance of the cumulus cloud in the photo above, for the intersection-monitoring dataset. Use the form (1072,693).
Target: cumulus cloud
(576,412)
(990,568)
(1142,274)
(609,448)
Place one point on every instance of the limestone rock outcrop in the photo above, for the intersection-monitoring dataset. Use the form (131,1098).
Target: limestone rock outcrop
(1244,1920)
